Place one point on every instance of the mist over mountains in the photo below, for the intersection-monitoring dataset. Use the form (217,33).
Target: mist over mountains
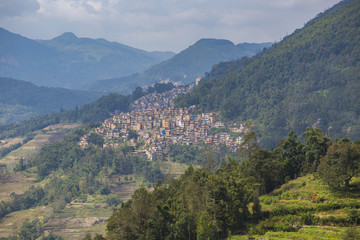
(68,61)
(21,100)
(185,66)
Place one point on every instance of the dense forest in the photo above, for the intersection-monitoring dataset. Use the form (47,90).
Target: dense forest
(206,204)
(311,78)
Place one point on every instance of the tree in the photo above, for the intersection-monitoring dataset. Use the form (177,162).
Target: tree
(31,230)
(163,87)
(340,164)
(249,144)
(316,146)
(265,167)
(137,93)
(131,220)
(96,237)
(292,154)
(96,139)
(132,134)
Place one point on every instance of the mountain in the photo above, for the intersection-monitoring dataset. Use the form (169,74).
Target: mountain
(69,61)
(185,66)
(20,100)
(310,78)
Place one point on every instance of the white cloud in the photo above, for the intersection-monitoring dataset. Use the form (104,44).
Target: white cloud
(11,8)
(161,24)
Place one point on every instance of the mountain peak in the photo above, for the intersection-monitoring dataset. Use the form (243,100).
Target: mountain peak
(66,37)
(213,41)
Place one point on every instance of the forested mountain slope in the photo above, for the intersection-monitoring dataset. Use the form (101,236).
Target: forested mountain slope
(311,78)
(20,100)
(185,66)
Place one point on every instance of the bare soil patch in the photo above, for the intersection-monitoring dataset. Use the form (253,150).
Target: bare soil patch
(10,141)
(14,182)
(125,190)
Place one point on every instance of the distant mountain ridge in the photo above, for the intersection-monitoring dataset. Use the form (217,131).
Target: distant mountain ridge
(69,61)
(185,66)
(20,100)
(311,78)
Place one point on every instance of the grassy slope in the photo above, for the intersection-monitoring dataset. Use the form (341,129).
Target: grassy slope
(307,195)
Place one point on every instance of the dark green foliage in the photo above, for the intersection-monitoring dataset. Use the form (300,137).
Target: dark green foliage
(87,163)
(187,154)
(265,167)
(132,134)
(351,234)
(293,155)
(341,163)
(354,216)
(20,166)
(137,93)
(30,198)
(5,151)
(310,78)
(105,190)
(204,156)
(31,230)
(203,204)
(307,218)
(316,146)
(200,205)
(96,237)
(163,87)
(96,139)
(113,201)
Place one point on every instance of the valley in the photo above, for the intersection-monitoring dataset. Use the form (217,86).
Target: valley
(265,144)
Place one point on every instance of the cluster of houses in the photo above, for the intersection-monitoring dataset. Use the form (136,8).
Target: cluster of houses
(157,123)
(160,127)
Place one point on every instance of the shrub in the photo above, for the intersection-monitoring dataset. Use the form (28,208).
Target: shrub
(105,190)
(350,234)
(307,218)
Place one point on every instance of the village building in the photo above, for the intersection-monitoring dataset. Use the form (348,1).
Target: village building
(159,124)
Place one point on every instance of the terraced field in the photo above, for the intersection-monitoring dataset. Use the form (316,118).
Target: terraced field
(306,208)
(87,214)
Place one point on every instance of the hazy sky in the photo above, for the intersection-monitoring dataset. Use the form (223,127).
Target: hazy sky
(160,24)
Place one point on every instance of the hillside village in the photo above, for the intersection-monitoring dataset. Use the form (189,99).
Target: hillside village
(157,123)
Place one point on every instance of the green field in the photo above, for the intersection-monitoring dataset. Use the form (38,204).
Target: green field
(306,208)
